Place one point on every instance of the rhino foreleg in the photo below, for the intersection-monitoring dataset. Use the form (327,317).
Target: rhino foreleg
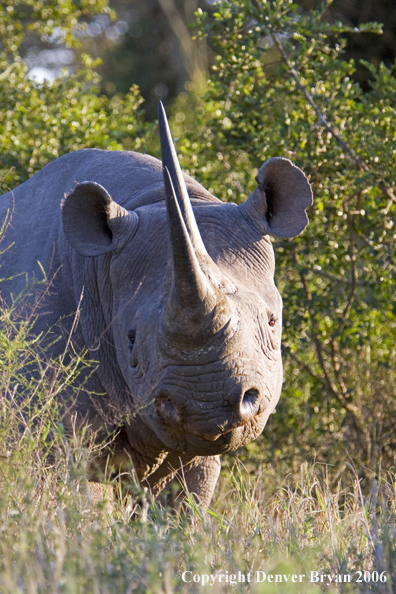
(200,479)
(196,476)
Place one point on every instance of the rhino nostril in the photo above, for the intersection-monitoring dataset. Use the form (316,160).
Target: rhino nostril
(166,409)
(250,402)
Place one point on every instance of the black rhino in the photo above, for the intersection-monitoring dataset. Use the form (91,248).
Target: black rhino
(177,297)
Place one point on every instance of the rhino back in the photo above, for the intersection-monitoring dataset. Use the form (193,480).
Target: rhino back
(34,232)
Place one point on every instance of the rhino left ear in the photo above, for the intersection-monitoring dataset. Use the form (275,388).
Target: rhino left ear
(93,223)
(277,206)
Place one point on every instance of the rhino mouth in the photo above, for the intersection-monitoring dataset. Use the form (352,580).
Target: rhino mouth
(210,431)
(226,442)
(202,437)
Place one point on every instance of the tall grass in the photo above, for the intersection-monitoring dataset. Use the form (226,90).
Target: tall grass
(54,538)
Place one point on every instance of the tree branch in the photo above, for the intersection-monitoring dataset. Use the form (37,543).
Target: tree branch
(189,52)
(307,368)
(358,161)
(352,294)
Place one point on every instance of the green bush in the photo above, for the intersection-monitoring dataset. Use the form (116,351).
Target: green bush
(40,122)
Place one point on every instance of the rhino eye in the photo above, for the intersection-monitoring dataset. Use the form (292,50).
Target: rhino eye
(272,322)
(131,338)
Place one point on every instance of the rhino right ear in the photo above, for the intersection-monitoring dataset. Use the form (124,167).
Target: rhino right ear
(93,223)
(277,206)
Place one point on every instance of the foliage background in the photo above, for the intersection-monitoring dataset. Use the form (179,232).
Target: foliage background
(261,79)
(338,278)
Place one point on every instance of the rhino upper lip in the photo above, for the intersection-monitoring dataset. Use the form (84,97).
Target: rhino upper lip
(172,420)
(214,432)
(209,435)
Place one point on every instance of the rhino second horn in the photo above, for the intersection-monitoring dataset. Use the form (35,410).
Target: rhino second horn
(171,162)
(196,309)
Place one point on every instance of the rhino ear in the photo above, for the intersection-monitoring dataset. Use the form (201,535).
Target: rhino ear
(277,206)
(93,223)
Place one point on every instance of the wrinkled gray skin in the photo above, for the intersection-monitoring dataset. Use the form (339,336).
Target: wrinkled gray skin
(187,334)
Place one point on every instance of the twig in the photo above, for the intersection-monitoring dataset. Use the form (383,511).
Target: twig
(307,368)
(333,349)
(327,382)
(359,162)
(73,328)
(191,58)
(332,388)
(352,294)
(337,279)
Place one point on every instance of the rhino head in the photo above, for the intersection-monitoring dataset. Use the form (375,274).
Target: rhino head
(196,313)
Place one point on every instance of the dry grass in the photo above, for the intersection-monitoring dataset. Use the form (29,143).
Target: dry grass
(55,539)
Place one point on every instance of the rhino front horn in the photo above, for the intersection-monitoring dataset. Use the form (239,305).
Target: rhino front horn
(196,308)
(171,162)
